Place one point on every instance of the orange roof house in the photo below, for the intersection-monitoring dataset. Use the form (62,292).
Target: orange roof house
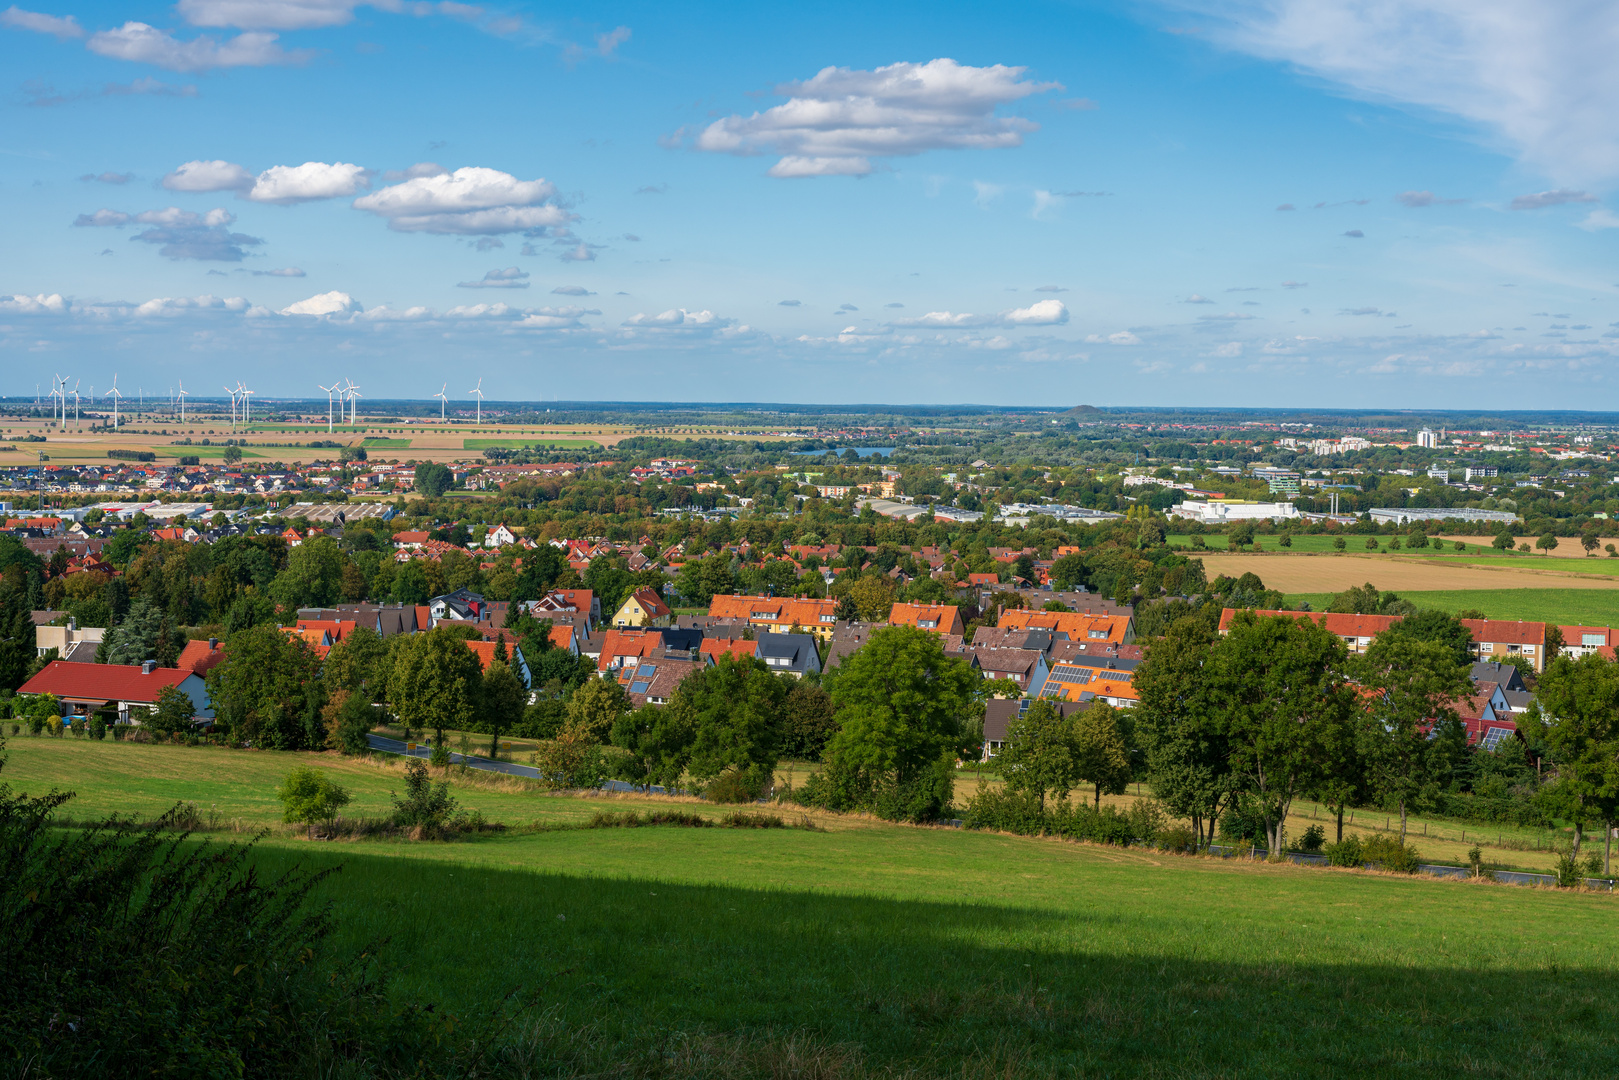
(778,614)
(714,648)
(201,656)
(1493,639)
(939,618)
(1111,629)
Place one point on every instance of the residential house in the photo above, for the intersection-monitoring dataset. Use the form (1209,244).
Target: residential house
(499,536)
(201,657)
(1092,679)
(1493,639)
(1001,713)
(643,607)
(463,604)
(410,540)
(70,641)
(485,651)
(1026,667)
(622,647)
(1108,629)
(939,618)
(1579,640)
(653,681)
(712,648)
(779,614)
(788,654)
(128,690)
(583,601)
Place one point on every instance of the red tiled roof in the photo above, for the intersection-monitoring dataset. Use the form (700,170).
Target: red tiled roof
(103,682)
(1358,626)
(718,647)
(197,656)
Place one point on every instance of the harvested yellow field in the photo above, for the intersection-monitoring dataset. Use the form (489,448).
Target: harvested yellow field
(1334,573)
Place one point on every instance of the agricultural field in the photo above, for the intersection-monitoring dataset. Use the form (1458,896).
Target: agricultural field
(1334,573)
(555,444)
(373,442)
(1569,607)
(863,947)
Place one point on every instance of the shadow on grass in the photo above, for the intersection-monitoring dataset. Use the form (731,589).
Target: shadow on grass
(638,972)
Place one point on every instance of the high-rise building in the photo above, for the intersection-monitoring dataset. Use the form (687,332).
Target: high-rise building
(1427,438)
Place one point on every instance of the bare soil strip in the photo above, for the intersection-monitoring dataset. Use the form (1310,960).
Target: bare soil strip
(1334,573)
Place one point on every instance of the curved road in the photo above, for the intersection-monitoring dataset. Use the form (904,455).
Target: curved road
(394,746)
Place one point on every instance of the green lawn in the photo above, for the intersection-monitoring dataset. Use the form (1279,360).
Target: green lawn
(1569,607)
(512,443)
(927,952)
(204,452)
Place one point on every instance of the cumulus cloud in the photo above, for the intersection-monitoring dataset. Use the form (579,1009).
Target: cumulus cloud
(1229,349)
(284,184)
(510,278)
(327,303)
(571,290)
(180,234)
(1040,313)
(580,253)
(1122,337)
(679,319)
(140,43)
(834,123)
(1416,200)
(1535,76)
(60,27)
(1196,299)
(420,169)
(471,201)
(209,176)
(1560,197)
(181,305)
(43,304)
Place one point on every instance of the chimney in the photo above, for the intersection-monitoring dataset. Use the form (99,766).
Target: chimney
(148,666)
(213,643)
(72,623)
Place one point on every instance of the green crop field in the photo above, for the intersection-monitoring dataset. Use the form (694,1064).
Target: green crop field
(871,948)
(1586,607)
(554,444)
(374,442)
(205,453)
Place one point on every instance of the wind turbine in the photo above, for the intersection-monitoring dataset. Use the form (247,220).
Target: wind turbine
(182,400)
(247,406)
(328,390)
(59,391)
(116,398)
(232,394)
(442,401)
(478,390)
(354,396)
(75,405)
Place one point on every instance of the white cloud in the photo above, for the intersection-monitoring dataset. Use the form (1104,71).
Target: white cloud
(1196,299)
(1123,337)
(61,27)
(182,234)
(312,180)
(834,123)
(582,253)
(208,176)
(1599,219)
(679,319)
(609,42)
(285,271)
(267,14)
(1229,349)
(143,44)
(420,169)
(565,318)
(471,201)
(1538,77)
(43,304)
(1040,313)
(180,305)
(510,278)
(572,290)
(985,193)
(1560,197)
(386,314)
(328,303)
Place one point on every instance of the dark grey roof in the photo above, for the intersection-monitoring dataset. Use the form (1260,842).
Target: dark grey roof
(1508,676)
(678,639)
(788,652)
(999,713)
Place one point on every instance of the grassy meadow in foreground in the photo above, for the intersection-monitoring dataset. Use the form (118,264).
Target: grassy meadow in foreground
(932,950)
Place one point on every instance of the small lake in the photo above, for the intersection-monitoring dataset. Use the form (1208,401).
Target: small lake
(861,451)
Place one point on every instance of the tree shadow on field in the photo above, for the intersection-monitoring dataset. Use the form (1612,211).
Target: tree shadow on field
(933,988)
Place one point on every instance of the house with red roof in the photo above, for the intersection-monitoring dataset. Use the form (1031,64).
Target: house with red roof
(129,690)
(201,657)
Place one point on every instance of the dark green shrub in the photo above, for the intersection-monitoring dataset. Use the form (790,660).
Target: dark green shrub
(1312,840)
(1177,838)
(426,806)
(1387,853)
(1568,871)
(1347,852)
(1243,823)
(734,786)
(98,728)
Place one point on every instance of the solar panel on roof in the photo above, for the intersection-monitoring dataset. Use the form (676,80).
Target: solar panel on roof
(639,686)
(646,671)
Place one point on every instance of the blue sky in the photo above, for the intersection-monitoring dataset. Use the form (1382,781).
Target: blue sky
(1271,203)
